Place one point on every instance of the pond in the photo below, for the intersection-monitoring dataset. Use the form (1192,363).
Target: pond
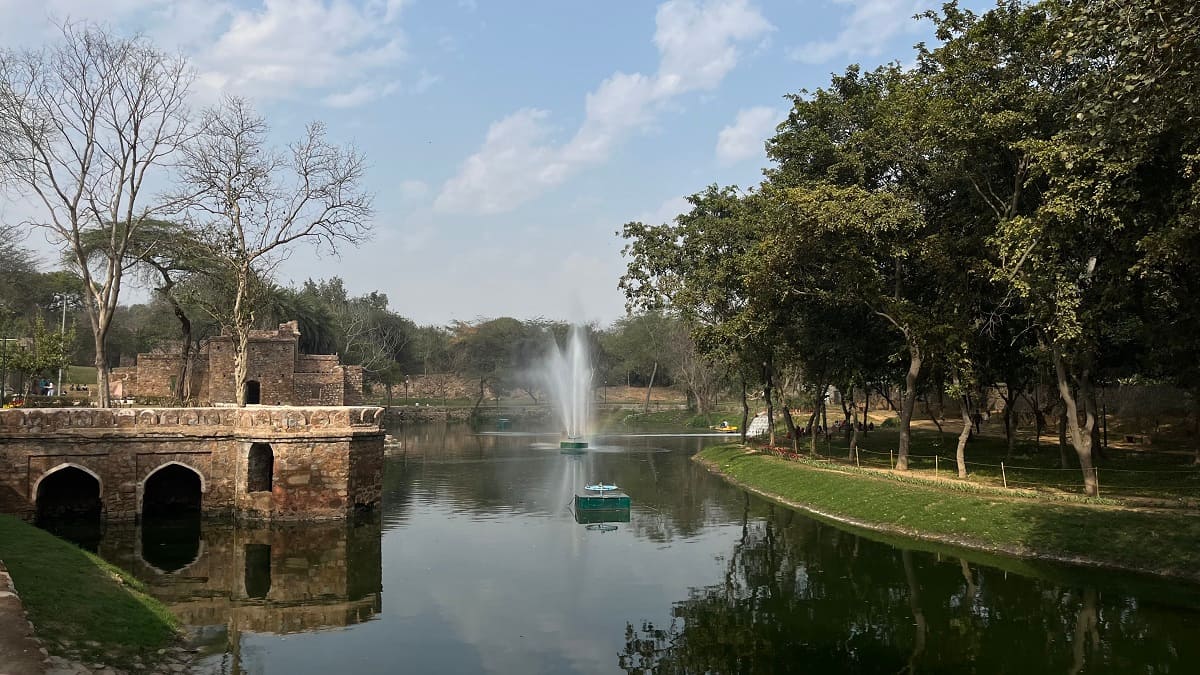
(477,564)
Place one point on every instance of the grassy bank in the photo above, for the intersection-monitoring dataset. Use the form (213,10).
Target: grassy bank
(80,605)
(1157,542)
(1125,473)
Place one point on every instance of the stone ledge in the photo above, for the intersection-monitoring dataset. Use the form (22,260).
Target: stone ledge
(193,421)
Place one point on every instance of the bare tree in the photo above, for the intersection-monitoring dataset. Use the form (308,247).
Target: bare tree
(250,203)
(370,336)
(82,125)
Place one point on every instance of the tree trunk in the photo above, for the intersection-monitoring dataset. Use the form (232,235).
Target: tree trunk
(183,386)
(866,408)
(1097,445)
(854,435)
(824,416)
(1062,438)
(1085,627)
(482,394)
(768,379)
(243,319)
(1081,436)
(1010,397)
(847,403)
(104,396)
(907,404)
(745,410)
(653,372)
(241,344)
(960,452)
(914,603)
(791,425)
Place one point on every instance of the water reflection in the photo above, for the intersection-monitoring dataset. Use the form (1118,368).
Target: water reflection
(225,579)
(800,596)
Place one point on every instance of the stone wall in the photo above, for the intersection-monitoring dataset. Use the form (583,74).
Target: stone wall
(284,375)
(327,461)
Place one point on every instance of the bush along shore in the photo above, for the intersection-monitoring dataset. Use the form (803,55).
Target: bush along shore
(1159,542)
(89,615)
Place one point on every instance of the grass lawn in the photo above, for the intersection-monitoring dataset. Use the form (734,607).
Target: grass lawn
(1129,474)
(1153,541)
(80,375)
(74,597)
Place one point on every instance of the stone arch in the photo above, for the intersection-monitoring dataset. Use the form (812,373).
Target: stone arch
(67,490)
(175,496)
(37,484)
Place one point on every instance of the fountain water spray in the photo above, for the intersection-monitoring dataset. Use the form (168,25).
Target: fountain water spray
(568,377)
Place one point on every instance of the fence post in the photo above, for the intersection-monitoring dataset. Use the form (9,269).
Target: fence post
(1003,476)
(856,462)
(891,459)
(935,466)
(1096,474)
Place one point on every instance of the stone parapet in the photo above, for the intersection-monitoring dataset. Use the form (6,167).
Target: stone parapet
(253,420)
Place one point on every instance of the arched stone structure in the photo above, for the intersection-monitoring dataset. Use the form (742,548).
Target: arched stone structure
(171,489)
(324,461)
(68,489)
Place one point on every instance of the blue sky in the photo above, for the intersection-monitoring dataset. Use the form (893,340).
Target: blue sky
(509,141)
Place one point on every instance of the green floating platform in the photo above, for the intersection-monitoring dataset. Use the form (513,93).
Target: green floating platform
(587,517)
(573,445)
(609,500)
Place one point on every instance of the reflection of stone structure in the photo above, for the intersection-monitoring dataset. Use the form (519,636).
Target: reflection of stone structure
(262,462)
(277,373)
(261,579)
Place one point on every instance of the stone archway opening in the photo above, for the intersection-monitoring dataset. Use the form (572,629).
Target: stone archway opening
(172,491)
(68,505)
(260,468)
(253,392)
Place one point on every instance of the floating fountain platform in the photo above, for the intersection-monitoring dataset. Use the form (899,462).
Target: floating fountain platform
(608,499)
(572,445)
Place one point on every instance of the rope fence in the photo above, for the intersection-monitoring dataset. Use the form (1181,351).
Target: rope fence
(1128,482)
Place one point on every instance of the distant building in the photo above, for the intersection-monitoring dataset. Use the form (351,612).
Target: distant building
(277,373)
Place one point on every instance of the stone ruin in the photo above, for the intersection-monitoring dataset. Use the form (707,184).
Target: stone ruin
(277,374)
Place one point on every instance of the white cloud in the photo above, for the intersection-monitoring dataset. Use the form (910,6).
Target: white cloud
(666,212)
(744,138)
(864,33)
(285,47)
(698,46)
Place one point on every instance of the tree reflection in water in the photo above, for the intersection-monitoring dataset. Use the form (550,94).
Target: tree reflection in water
(798,597)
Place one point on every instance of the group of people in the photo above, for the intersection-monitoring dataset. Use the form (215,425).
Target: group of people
(45,387)
(842,425)
(839,425)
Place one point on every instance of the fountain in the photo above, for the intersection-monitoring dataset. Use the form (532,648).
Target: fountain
(568,377)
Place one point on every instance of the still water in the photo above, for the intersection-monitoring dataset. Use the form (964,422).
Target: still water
(477,565)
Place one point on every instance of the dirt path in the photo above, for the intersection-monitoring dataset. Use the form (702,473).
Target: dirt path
(20,653)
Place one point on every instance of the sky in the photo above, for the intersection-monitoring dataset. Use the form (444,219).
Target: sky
(508,142)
